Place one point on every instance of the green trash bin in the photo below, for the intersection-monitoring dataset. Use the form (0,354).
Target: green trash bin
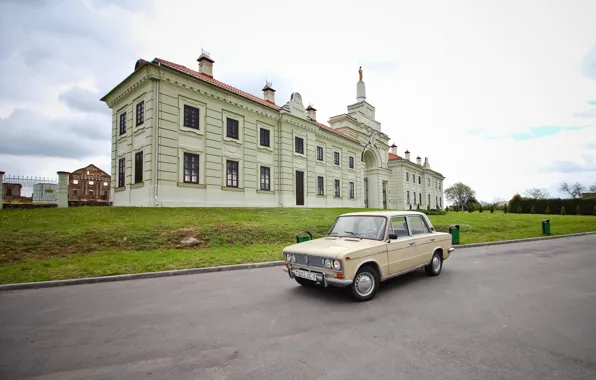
(454,231)
(301,239)
(546,227)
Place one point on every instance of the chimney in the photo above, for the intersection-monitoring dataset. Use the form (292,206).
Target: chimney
(419,160)
(394,149)
(312,112)
(407,155)
(426,164)
(205,64)
(269,93)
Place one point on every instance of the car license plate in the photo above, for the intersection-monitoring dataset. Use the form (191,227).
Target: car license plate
(304,274)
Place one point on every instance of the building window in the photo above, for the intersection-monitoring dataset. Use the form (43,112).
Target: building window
(299,145)
(429,199)
(91,183)
(351,190)
(337,192)
(105,184)
(407,176)
(191,168)
(420,198)
(140,112)
(320,186)
(320,153)
(440,203)
(429,182)
(408,195)
(191,117)
(264,137)
(336,158)
(351,162)
(122,124)
(232,173)
(265,178)
(419,180)
(413,177)
(139,167)
(75,181)
(414,194)
(232,128)
(121,168)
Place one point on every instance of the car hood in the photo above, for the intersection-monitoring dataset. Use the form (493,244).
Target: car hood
(332,247)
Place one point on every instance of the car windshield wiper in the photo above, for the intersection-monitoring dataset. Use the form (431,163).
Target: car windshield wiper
(353,233)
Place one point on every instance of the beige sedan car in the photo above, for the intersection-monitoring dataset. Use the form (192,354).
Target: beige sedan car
(362,249)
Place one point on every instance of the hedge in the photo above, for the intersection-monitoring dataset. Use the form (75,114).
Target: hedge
(553,206)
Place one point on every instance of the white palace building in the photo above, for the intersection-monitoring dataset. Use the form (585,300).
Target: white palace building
(182,138)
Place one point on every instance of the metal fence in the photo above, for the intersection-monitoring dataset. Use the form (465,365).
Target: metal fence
(23,189)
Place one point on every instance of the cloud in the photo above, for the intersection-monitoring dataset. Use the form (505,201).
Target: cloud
(570,167)
(589,64)
(587,114)
(25,133)
(538,132)
(84,100)
(590,145)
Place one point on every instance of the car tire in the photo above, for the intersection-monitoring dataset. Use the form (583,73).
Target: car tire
(365,285)
(436,265)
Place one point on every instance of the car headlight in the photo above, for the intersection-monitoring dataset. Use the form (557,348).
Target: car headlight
(287,257)
(336,264)
(327,263)
(293,258)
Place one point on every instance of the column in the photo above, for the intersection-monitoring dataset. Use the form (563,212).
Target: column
(1,190)
(63,189)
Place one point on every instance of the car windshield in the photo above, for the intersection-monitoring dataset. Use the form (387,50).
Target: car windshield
(361,226)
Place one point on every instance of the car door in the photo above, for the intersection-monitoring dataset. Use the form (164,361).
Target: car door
(423,237)
(401,250)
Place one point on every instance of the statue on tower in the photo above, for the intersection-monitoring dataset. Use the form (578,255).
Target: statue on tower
(360,73)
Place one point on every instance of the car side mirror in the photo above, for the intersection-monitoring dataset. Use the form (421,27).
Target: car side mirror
(392,236)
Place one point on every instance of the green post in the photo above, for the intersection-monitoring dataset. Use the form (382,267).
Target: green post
(546,226)
(454,231)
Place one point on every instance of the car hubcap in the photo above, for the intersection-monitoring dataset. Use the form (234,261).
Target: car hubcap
(364,284)
(436,263)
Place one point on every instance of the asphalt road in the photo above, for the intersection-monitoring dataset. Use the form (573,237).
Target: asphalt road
(517,311)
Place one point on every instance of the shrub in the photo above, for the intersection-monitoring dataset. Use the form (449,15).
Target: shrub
(492,209)
(594,211)
(481,208)
(563,212)
(519,209)
(505,209)
(428,208)
(533,210)
(547,212)
(578,210)
(410,206)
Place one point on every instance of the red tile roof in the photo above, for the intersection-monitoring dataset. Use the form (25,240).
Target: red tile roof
(217,83)
(225,86)
(394,156)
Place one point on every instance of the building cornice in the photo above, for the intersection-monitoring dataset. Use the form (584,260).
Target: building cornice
(402,162)
(130,84)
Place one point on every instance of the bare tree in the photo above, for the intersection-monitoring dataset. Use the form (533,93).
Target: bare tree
(574,190)
(460,194)
(593,188)
(536,193)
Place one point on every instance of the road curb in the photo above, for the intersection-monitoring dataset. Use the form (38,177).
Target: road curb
(500,242)
(226,268)
(136,276)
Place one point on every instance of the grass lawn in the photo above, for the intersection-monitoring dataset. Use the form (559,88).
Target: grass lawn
(47,244)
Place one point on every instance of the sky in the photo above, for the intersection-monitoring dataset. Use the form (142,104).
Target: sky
(499,95)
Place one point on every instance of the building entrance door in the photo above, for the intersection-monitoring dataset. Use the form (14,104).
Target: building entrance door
(299,188)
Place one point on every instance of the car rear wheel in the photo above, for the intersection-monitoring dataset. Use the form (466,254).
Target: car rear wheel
(436,264)
(365,284)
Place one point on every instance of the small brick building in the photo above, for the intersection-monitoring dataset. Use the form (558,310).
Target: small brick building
(89,185)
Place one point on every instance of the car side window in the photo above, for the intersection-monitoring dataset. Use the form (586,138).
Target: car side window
(399,227)
(418,226)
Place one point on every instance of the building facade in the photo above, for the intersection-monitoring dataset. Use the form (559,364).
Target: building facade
(89,185)
(182,138)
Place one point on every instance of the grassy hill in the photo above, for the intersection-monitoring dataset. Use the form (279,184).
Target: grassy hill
(44,244)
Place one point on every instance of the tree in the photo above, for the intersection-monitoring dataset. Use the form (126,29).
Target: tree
(593,188)
(536,193)
(574,190)
(460,194)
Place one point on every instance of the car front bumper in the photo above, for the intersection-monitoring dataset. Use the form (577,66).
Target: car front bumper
(322,277)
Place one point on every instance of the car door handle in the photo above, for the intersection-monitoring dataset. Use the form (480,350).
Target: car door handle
(411,243)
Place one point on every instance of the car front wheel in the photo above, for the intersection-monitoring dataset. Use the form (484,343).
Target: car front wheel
(365,284)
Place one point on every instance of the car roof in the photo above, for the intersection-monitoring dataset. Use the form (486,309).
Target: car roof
(384,213)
